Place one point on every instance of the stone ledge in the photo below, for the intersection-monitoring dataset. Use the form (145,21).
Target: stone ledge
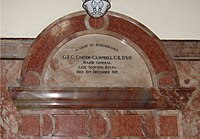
(100,98)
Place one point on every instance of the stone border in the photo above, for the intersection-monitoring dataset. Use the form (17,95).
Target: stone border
(70,26)
(179,50)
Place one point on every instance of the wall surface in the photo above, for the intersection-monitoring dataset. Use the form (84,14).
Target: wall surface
(177,19)
(153,124)
(169,19)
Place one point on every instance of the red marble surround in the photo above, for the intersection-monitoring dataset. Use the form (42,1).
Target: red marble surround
(164,94)
(69,26)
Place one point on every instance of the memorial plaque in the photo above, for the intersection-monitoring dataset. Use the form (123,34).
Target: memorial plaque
(97,60)
(110,62)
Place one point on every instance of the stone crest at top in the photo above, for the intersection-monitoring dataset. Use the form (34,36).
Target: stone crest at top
(96,8)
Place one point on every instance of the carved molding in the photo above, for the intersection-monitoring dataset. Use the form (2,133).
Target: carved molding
(17,48)
(183,49)
(101,98)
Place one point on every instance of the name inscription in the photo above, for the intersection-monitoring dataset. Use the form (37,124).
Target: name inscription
(97,64)
(97,60)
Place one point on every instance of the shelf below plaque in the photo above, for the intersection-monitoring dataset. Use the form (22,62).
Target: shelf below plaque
(100,98)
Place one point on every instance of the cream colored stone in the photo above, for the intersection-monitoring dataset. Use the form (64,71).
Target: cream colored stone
(97,60)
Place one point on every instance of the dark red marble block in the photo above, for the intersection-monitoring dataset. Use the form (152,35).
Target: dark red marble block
(70,125)
(30,125)
(129,125)
(168,126)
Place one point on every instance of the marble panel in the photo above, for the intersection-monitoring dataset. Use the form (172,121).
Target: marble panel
(189,74)
(9,115)
(97,61)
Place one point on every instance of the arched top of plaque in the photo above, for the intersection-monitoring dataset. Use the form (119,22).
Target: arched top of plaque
(135,42)
(112,62)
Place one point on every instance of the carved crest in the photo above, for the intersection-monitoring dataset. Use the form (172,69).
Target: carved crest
(96,8)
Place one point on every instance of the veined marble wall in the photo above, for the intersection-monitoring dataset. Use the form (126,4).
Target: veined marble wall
(13,122)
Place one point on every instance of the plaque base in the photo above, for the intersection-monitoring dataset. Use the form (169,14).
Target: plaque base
(100,98)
